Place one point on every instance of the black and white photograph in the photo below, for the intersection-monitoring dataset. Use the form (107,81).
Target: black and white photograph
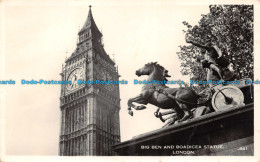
(149,80)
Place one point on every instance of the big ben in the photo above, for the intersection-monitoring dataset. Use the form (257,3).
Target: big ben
(89,112)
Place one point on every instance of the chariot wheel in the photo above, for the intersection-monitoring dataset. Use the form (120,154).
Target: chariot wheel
(227,97)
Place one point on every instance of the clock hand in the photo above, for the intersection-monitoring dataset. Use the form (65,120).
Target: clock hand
(73,82)
(71,85)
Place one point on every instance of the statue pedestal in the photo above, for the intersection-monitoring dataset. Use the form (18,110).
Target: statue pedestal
(227,132)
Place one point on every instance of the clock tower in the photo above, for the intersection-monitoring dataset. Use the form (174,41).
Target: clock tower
(89,112)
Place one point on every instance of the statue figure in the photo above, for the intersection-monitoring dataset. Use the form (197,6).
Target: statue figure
(218,67)
(179,100)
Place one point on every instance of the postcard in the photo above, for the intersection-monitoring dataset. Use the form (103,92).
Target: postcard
(121,80)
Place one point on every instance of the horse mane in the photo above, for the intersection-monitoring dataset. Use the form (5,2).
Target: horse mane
(155,63)
(165,72)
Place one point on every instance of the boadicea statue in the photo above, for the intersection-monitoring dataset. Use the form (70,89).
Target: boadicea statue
(179,100)
(217,66)
(182,102)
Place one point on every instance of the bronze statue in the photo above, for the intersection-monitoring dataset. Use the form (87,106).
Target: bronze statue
(218,67)
(180,100)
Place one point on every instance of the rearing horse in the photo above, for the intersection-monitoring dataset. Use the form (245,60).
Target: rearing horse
(150,94)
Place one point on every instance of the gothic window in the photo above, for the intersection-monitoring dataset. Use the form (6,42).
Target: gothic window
(81,117)
(78,116)
(71,121)
(76,122)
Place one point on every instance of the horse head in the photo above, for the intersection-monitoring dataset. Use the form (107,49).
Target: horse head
(159,72)
(146,70)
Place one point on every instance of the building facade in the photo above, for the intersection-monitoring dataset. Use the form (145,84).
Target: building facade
(89,112)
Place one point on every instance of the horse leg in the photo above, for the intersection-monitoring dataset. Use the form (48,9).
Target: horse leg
(138,99)
(186,110)
(171,120)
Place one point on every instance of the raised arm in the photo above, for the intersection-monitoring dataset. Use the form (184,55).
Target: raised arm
(199,45)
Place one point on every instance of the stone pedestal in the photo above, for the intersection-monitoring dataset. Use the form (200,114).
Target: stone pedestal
(227,132)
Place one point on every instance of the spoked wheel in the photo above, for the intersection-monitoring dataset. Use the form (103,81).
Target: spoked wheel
(227,97)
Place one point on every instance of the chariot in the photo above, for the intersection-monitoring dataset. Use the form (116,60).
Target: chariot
(224,97)
(183,101)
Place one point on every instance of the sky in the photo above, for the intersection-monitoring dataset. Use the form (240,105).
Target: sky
(37,36)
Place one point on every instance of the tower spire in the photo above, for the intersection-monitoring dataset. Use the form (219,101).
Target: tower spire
(90,24)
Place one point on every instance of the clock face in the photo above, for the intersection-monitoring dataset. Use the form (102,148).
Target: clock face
(106,76)
(73,78)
